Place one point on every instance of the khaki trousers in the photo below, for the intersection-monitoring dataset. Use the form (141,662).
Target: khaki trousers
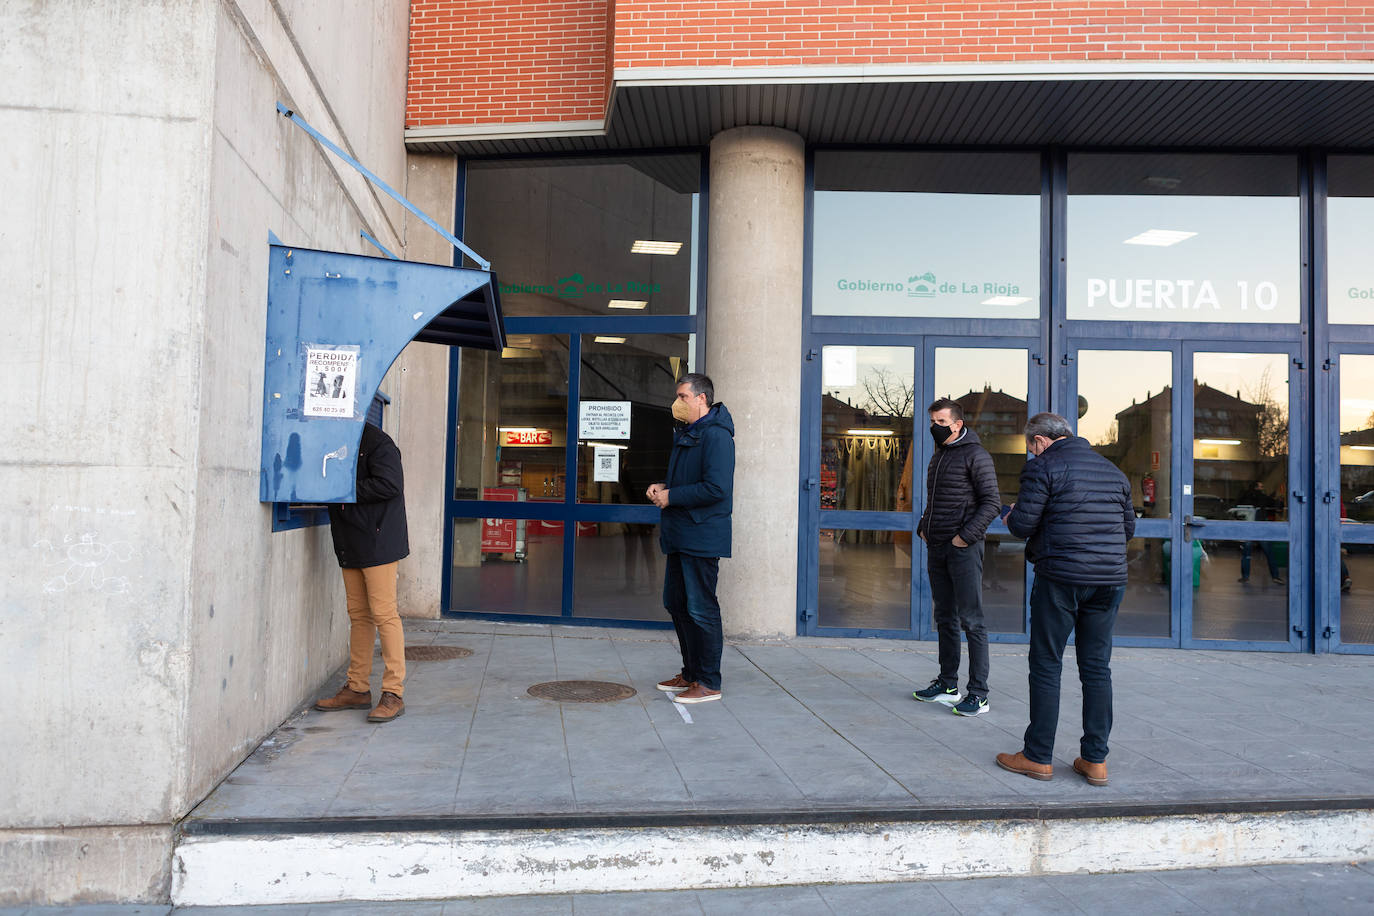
(371,612)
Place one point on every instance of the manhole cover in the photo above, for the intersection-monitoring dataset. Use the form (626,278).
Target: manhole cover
(435,653)
(581,691)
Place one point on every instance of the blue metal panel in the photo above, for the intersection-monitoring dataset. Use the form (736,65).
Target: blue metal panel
(375,305)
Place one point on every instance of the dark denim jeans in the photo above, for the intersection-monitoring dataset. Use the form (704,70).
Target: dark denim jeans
(956,588)
(1089,612)
(689,594)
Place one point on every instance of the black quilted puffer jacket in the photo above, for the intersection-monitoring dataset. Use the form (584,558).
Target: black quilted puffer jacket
(961,491)
(1075,512)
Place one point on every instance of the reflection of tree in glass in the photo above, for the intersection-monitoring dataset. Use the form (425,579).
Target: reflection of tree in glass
(888,394)
(1271,416)
(1109,437)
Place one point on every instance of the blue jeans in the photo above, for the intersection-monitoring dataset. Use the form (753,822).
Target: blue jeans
(956,590)
(1089,612)
(689,594)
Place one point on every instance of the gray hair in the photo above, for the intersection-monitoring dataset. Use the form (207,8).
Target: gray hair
(700,384)
(1050,425)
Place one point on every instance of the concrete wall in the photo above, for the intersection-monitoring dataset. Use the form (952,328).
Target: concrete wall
(156,627)
(753,354)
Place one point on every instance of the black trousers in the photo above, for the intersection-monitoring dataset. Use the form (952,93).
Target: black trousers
(956,587)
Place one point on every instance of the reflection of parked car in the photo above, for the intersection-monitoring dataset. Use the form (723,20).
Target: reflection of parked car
(1361,508)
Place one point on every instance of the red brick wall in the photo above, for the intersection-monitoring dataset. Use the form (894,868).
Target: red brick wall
(738,33)
(487,61)
(554,67)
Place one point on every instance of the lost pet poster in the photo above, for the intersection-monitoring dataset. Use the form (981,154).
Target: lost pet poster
(331,378)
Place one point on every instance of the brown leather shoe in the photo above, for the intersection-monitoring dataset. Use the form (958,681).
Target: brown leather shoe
(675,684)
(389,707)
(1094,773)
(346,698)
(697,694)
(1018,763)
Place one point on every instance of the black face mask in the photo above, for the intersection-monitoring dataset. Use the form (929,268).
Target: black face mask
(940,433)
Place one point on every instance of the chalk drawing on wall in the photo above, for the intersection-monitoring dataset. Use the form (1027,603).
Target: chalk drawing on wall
(80,561)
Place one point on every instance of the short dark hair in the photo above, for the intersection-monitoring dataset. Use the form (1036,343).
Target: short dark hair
(1050,425)
(700,384)
(955,411)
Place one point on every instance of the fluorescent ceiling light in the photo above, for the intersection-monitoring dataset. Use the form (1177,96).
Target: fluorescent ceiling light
(1219,441)
(627,303)
(641,246)
(602,338)
(603,445)
(869,432)
(1005,300)
(518,429)
(1159,238)
(1363,448)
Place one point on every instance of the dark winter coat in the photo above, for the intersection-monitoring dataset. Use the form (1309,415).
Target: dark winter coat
(961,491)
(1075,512)
(701,486)
(372,531)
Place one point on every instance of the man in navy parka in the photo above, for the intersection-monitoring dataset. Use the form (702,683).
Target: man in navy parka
(694,533)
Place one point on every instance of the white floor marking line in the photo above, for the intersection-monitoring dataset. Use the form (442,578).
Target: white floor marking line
(682,711)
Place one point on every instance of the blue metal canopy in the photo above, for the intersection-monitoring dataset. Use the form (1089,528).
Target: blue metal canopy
(335,324)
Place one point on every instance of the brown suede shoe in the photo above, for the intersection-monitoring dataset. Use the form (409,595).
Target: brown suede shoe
(389,707)
(697,694)
(1018,763)
(1094,773)
(675,684)
(346,698)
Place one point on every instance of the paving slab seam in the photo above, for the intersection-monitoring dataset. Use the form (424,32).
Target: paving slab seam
(755,817)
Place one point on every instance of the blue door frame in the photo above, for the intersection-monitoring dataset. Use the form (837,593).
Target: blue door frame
(1331,532)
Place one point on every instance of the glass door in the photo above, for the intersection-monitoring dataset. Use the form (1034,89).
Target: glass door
(1345,568)
(1215,561)
(863,488)
(1242,501)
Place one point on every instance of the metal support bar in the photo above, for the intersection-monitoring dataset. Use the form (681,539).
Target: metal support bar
(376,244)
(332,147)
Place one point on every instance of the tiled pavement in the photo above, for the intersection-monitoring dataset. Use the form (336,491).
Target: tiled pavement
(806,725)
(1322,890)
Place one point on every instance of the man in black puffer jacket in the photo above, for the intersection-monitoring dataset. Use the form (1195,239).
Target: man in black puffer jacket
(961,501)
(370,538)
(1075,512)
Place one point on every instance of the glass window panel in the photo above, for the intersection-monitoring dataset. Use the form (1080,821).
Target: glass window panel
(1125,410)
(991,385)
(867,403)
(1240,436)
(618,571)
(1227,604)
(865,580)
(1146,606)
(1170,237)
(1350,238)
(562,233)
(507,566)
(1357,594)
(1004,584)
(1357,438)
(927,234)
(512,419)
(630,376)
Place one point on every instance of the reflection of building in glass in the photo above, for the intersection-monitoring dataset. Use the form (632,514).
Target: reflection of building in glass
(1236,444)
(1000,421)
(1357,474)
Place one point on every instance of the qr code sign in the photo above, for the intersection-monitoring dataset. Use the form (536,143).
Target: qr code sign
(606,462)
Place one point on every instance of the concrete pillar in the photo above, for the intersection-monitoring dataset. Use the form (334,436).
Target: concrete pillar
(753,354)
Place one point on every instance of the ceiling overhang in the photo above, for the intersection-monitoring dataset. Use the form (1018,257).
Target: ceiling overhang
(1268,106)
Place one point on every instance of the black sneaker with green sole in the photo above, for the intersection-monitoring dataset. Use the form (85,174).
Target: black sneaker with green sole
(937,693)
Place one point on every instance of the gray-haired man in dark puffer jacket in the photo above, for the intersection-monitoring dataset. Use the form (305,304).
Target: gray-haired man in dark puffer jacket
(961,501)
(1075,512)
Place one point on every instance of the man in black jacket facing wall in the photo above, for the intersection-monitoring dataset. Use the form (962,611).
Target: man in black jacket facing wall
(370,539)
(1074,510)
(961,501)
